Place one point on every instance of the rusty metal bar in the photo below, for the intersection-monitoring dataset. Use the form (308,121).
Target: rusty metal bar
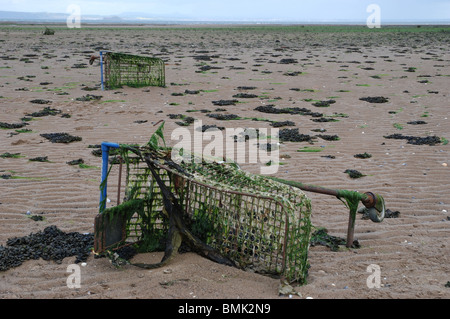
(120,178)
(350,230)
(368,199)
(318,189)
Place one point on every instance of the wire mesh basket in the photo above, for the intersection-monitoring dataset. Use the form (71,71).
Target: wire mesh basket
(260,224)
(132,70)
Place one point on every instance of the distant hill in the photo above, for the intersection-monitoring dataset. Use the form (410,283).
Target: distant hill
(48,17)
(41,17)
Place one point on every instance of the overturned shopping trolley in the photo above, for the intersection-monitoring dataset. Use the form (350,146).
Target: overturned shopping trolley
(118,69)
(222,212)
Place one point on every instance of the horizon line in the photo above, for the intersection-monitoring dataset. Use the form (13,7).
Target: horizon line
(144,19)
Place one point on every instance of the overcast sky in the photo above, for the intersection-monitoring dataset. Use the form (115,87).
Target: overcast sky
(288,10)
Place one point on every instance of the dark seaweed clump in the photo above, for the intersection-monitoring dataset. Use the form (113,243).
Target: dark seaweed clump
(79,66)
(296,73)
(363,156)
(246,87)
(89,97)
(293,135)
(224,117)
(97,151)
(324,103)
(321,237)
(375,99)
(353,173)
(40,101)
(287,110)
(202,57)
(329,137)
(214,127)
(176,116)
(225,102)
(192,92)
(324,119)
(415,140)
(61,137)
(12,126)
(187,120)
(245,96)
(282,123)
(9,155)
(39,159)
(37,218)
(417,122)
(46,111)
(75,162)
(205,68)
(48,31)
(49,244)
(288,61)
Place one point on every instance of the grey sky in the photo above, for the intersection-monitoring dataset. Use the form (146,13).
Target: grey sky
(288,10)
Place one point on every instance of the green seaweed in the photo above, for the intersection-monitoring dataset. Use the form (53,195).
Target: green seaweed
(158,135)
(11,155)
(308,149)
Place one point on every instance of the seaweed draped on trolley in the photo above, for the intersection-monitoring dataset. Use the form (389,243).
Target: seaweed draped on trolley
(259,224)
(132,70)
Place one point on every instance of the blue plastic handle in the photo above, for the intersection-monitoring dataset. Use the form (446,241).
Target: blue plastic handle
(105,159)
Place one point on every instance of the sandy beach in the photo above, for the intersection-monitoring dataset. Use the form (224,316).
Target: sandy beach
(281,66)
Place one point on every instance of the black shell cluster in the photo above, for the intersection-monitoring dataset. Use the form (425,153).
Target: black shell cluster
(49,244)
